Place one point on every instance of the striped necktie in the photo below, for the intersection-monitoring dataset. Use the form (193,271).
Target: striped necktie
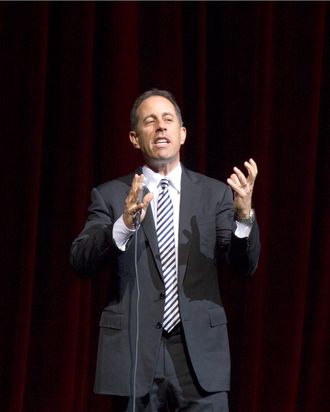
(166,244)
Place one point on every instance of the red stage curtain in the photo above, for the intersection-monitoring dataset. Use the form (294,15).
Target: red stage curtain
(253,80)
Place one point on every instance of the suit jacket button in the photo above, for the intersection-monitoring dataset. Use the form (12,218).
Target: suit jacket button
(159,325)
(162,295)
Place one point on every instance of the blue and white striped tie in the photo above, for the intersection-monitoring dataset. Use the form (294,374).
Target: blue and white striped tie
(166,244)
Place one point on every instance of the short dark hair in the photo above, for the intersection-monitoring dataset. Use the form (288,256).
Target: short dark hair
(146,95)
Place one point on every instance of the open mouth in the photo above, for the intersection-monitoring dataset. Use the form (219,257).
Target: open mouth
(161,141)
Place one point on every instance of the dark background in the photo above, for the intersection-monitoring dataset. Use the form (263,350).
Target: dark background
(253,80)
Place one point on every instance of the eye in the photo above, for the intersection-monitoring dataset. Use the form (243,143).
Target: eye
(149,121)
(168,119)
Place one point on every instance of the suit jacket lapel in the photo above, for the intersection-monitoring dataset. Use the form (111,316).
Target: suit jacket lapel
(189,199)
(149,228)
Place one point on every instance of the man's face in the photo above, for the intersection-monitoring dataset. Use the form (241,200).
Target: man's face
(158,134)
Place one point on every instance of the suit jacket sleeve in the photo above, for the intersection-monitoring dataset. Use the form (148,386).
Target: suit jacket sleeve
(242,254)
(94,246)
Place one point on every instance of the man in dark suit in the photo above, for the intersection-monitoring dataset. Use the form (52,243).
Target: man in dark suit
(163,341)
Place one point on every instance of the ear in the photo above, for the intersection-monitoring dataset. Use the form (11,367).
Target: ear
(183,135)
(134,139)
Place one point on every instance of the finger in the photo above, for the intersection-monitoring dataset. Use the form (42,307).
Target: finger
(131,200)
(254,164)
(240,175)
(132,209)
(140,180)
(235,179)
(143,206)
(251,173)
(148,198)
(137,182)
(237,187)
(136,187)
(146,201)
(252,168)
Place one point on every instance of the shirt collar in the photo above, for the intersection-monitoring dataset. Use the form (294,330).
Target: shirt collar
(174,177)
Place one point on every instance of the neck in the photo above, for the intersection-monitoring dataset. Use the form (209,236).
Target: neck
(163,168)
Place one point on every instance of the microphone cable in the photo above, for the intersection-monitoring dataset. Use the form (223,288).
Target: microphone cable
(138,292)
(137,335)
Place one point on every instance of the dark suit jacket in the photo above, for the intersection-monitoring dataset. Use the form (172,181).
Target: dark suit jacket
(205,233)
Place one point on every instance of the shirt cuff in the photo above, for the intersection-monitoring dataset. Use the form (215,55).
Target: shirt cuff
(121,233)
(242,229)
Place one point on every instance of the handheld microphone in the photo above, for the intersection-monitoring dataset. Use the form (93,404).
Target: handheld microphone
(142,192)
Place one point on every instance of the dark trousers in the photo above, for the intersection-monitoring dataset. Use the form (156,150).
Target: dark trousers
(175,387)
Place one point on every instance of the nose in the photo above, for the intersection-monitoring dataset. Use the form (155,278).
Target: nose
(161,125)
